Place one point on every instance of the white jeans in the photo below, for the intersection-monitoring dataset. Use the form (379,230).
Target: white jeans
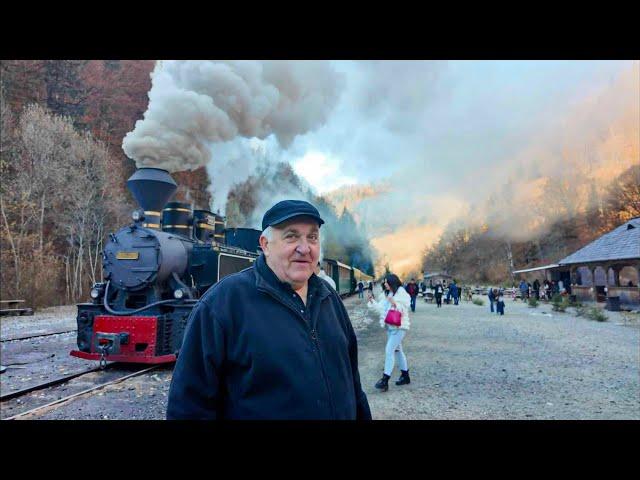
(393,350)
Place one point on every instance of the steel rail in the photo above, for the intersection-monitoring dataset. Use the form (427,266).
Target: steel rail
(84,392)
(51,383)
(25,337)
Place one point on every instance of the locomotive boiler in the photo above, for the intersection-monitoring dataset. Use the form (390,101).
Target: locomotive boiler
(155,270)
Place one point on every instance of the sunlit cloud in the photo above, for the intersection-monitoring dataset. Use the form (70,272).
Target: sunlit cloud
(322,172)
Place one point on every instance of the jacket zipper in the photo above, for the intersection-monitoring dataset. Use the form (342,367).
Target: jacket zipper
(314,340)
(314,337)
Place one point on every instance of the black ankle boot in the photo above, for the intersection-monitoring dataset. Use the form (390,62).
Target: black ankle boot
(383,383)
(404,378)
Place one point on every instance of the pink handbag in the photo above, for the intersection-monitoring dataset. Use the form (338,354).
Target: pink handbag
(394,317)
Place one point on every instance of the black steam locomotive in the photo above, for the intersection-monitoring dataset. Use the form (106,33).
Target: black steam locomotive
(155,270)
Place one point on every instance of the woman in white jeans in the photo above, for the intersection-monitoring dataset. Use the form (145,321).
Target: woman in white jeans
(399,299)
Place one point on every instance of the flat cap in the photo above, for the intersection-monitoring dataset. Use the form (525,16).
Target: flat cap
(287,209)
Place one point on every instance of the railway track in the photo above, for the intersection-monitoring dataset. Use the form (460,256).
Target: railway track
(28,336)
(61,401)
(50,383)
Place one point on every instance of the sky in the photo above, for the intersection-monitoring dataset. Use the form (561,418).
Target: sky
(435,118)
(443,135)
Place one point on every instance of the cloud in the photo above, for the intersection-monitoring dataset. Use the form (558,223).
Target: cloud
(481,139)
(193,104)
(322,172)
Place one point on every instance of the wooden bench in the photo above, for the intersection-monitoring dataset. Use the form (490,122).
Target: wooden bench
(12,307)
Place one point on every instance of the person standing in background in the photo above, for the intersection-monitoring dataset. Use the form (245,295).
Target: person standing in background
(412,290)
(524,290)
(398,299)
(492,298)
(500,303)
(323,275)
(438,291)
(453,288)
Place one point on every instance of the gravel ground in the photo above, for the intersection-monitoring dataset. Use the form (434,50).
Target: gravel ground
(45,396)
(51,319)
(465,363)
(137,398)
(38,360)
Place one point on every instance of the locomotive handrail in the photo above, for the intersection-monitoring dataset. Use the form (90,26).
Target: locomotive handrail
(129,312)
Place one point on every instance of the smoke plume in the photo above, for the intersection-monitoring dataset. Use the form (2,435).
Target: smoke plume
(193,104)
(517,147)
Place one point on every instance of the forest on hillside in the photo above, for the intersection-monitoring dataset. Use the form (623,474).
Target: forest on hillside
(485,253)
(63,171)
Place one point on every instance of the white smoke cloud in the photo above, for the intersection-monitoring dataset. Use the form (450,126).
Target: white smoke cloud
(471,140)
(444,136)
(193,104)
(236,161)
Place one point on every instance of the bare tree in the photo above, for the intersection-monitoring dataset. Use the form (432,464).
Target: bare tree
(54,204)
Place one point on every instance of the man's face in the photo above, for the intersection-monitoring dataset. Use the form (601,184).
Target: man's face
(293,252)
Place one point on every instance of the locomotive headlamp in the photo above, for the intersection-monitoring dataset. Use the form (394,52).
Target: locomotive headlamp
(96,291)
(178,293)
(137,216)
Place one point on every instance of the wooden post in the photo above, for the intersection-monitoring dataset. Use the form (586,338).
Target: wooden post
(593,283)
(616,275)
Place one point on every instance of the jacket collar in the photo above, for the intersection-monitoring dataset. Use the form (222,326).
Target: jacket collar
(266,279)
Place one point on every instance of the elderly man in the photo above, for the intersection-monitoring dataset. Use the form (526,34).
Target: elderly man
(272,341)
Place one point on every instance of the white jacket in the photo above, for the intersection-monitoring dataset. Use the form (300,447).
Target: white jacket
(323,275)
(382,306)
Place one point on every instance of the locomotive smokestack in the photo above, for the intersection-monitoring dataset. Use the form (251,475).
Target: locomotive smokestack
(152,188)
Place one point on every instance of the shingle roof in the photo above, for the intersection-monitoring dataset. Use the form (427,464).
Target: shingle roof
(619,244)
(431,275)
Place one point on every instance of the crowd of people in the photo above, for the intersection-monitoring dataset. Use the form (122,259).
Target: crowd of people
(541,291)
(401,298)
(361,287)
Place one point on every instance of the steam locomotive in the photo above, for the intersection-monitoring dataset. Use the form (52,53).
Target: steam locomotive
(156,269)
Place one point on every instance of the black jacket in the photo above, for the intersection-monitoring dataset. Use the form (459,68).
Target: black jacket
(252,350)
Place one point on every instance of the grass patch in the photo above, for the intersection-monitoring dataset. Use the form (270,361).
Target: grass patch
(478,301)
(592,313)
(559,303)
(596,314)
